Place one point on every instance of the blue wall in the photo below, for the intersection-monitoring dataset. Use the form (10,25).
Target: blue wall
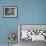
(29,12)
(32,11)
(7,25)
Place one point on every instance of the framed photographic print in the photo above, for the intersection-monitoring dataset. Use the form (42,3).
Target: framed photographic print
(33,32)
(10,11)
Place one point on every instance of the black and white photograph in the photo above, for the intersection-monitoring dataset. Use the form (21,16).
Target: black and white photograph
(10,11)
(29,34)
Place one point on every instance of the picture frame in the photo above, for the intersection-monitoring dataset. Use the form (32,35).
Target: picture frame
(10,11)
(40,29)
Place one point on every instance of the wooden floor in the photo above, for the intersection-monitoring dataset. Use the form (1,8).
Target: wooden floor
(30,43)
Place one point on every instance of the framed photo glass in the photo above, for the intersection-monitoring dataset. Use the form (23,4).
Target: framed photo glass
(10,11)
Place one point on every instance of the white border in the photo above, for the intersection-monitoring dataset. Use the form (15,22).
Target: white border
(18,33)
(10,7)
